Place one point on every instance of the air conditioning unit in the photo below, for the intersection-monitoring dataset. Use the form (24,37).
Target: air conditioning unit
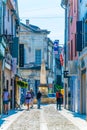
(73,67)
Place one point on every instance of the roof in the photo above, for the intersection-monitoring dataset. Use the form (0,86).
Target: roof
(35,28)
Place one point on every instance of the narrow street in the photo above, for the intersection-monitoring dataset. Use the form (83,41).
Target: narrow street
(46,118)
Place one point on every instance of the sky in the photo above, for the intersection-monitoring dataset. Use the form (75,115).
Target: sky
(46,14)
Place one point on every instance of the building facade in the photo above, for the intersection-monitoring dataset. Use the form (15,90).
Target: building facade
(76,40)
(34,47)
(71,55)
(8,31)
(82,50)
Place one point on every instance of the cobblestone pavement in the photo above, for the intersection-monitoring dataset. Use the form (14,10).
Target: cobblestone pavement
(46,118)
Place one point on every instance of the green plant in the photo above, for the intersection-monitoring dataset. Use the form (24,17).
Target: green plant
(22,84)
(57,87)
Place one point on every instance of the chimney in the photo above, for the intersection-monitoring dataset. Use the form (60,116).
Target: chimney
(27,22)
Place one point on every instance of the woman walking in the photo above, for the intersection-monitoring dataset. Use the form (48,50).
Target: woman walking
(28,99)
(32,97)
(5,100)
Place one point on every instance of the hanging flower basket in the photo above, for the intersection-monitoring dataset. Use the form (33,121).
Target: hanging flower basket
(22,84)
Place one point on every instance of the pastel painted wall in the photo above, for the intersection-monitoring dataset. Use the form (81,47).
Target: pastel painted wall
(73,13)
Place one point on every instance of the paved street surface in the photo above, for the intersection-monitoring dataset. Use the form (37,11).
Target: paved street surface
(46,118)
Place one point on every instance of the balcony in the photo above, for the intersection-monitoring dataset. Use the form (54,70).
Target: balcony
(73,67)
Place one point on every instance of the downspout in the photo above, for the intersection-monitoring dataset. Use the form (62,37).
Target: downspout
(0,61)
(65,8)
(1,16)
(4,6)
(63,5)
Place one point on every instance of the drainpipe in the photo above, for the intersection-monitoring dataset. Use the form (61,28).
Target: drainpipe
(1,61)
(1,16)
(64,6)
(65,47)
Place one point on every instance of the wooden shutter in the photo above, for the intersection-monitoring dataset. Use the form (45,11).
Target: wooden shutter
(21,55)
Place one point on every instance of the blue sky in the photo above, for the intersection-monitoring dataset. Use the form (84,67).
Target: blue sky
(46,14)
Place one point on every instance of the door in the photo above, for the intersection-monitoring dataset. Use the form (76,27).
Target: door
(83,92)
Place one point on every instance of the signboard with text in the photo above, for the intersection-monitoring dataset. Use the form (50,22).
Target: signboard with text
(56,43)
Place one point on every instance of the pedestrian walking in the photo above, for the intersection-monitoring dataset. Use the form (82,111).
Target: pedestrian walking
(6,97)
(32,97)
(39,99)
(28,99)
(58,99)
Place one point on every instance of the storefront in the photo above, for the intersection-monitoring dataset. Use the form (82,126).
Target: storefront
(2,55)
(83,83)
(20,90)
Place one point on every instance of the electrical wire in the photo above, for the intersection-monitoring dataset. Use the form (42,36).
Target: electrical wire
(52,17)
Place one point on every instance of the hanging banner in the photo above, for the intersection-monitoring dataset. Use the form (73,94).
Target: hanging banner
(61,59)
(56,43)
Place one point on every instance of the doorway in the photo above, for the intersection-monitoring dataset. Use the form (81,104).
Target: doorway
(83,92)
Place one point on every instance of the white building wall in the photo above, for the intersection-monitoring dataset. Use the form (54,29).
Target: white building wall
(8,23)
(82,8)
(33,41)
(14,30)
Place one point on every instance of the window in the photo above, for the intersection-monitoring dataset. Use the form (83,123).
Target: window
(29,49)
(11,82)
(71,49)
(7,84)
(75,46)
(79,38)
(38,56)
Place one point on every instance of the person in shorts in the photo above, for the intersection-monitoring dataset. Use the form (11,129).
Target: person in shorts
(28,99)
(59,99)
(5,100)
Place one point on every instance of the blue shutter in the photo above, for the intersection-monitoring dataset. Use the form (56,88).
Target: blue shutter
(21,55)
(79,36)
(38,57)
(14,48)
(85,30)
